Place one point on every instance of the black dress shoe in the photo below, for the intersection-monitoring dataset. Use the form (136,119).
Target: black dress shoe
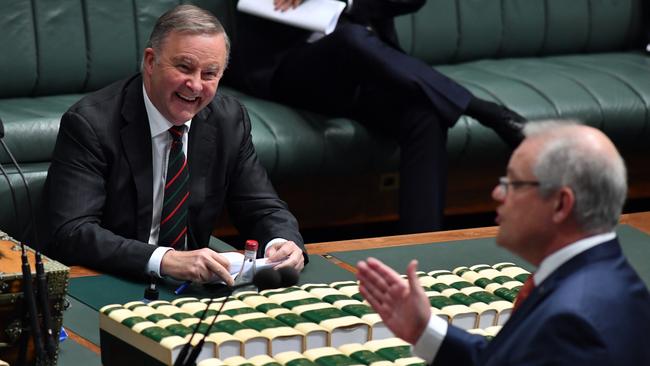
(509,127)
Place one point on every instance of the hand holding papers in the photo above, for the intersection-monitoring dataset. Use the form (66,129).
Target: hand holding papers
(314,15)
(236,260)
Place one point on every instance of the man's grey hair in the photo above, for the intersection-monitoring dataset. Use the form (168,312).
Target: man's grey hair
(187,19)
(599,182)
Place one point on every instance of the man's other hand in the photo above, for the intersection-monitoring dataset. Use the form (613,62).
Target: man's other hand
(402,305)
(200,266)
(283,5)
(289,250)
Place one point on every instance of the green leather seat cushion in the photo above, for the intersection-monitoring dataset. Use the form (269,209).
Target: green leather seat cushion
(610,91)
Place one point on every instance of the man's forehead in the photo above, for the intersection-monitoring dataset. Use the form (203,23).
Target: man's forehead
(523,158)
(179,47)
(177,39)
(186,58)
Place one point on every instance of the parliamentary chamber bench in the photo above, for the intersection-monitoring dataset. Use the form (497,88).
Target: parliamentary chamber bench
(580,59)
(330,272)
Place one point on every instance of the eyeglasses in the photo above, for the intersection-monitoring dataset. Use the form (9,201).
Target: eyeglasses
(505,183)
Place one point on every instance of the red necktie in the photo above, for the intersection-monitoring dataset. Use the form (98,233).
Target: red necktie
(524,291)
(173,220)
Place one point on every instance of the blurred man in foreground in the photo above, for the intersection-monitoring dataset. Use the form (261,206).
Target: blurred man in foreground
(559,205)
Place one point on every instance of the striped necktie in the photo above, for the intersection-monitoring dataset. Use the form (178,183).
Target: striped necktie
(173,220)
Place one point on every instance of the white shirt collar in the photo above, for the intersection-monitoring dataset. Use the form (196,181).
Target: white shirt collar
(157,122)
(555,260)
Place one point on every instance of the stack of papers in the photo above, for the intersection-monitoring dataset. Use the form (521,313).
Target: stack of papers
(314,15)
(236,260)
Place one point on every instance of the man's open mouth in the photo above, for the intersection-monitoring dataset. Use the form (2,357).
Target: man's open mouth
(186,98)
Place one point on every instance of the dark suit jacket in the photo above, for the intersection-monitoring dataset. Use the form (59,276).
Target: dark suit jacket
(98,193)
(594,310)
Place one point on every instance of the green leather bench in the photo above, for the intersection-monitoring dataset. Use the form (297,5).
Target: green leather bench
(543,58)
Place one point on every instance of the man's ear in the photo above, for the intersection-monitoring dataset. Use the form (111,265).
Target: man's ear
(149,58)
(564,204)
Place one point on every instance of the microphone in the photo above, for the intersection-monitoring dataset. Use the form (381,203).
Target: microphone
(288,276)
(28,295)
(28,290)
(265,279)
(41,289)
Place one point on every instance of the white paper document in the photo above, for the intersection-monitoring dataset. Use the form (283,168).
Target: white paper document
(236,260)
(314,15)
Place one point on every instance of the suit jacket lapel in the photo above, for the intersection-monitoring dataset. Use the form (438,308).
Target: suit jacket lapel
(136,141)
(539,293)
(522,313)
(201,155)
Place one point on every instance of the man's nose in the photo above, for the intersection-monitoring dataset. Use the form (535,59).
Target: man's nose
(194,82)
(498,193)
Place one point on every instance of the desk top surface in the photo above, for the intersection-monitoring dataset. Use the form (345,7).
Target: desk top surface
(331,261)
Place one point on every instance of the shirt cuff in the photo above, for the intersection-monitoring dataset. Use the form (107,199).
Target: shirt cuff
(429,343)
(153,266)
(271,243)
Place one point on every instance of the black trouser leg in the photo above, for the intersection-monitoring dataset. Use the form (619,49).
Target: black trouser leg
(354,74)
(423,173)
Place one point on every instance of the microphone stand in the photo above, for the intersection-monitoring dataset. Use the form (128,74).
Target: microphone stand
(28,294)
(183,359)
(264,279)
(41,283)
(28,289)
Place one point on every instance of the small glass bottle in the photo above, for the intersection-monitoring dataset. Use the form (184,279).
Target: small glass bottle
(247,271)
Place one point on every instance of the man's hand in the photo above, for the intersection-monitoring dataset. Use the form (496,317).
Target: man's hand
(289,250)
(283,5)
(200,265)
(402,305)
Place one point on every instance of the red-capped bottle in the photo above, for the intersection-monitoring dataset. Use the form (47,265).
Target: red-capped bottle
(247,271)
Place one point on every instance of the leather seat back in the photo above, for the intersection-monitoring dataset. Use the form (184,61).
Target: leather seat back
(446,31)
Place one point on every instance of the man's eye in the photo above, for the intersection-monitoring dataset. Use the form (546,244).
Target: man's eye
(209,75)
(183,68)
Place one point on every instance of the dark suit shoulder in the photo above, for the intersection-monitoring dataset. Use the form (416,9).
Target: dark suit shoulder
(103,109)
(227,103)
(107,94)
(228,110)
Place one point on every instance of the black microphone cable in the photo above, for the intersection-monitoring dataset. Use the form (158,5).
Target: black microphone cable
(264,279)
(196,350)
(12,192)
(29,197)
(28,294)
(41,289)
(28,290)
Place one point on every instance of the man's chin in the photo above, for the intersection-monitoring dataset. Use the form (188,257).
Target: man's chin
(500,239)
(182,117)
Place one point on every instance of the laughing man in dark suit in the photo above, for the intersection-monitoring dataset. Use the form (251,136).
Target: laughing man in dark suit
(559,204)
(105,195)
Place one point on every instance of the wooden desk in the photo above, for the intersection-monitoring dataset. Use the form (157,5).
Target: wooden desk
(639,221)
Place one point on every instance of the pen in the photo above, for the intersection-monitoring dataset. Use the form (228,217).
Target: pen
(182,287)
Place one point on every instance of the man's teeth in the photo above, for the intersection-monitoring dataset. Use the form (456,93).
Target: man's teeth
(189,99)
